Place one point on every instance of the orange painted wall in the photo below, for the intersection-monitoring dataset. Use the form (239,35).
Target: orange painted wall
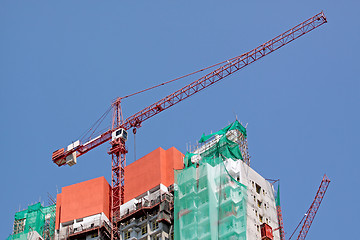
(93,196)
(151,170)
(82,200)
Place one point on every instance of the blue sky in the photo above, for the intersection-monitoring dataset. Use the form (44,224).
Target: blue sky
(63,62)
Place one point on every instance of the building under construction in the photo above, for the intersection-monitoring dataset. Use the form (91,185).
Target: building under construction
(209,193)
(35,222)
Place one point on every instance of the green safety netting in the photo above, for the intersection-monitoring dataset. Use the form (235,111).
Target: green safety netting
(235,125)
(277,200)
(187,158)
(209,203)
(33,219)
(20,215)
(223,147)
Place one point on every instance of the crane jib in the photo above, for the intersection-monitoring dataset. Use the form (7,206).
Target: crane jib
(231,66)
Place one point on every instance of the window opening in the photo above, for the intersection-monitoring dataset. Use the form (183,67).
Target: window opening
(155,225)
(258,188)
(143,229)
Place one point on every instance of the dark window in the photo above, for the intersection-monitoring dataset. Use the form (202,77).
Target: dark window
(258,188)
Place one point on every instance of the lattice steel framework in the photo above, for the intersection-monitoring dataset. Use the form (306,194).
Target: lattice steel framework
(310,215)
(118,156)
(281,223)
(232,65)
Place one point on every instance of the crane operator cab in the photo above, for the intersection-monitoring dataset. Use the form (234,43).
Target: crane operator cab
(120,133)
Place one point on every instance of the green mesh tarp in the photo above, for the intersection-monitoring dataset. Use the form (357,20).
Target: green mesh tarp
(35,207)
(209,204)
(223,147)
(235,125)
(187,158)
(20,215)
(34,220)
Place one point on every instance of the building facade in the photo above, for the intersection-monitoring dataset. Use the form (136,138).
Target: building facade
(83,209)
(219,196)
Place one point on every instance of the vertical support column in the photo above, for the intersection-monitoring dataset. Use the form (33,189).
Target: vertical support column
(118,154)
(281,223)
(118,161)
(279,214)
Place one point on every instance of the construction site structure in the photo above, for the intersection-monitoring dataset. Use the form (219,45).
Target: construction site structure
(35,222)
(149,215)
(83,209)
(117,135)
(218,195)
(210,193)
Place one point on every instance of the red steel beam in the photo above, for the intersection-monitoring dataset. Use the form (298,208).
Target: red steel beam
(225,70)
(310,215)
(281,223)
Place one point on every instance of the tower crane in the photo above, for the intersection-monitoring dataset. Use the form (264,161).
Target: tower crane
(311,212)
(117,135)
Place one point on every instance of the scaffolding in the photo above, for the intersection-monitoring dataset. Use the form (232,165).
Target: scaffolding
(209,202)
(34,219)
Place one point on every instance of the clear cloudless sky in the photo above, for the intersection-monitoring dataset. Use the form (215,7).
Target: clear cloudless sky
(63,62)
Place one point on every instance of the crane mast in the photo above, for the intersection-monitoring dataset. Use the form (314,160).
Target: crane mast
(118,149)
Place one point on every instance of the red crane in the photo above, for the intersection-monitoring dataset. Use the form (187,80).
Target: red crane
(117,135)
(281,223)
(311,212)
(279,214)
